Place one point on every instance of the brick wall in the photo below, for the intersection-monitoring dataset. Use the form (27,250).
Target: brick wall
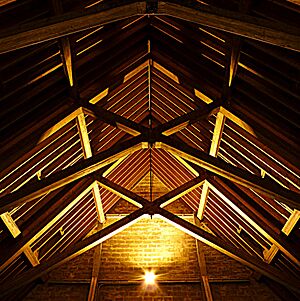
(151,244)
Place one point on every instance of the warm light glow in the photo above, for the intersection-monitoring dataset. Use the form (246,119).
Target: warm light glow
(149,277)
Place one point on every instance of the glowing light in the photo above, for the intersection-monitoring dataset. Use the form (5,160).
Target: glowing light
(149,277)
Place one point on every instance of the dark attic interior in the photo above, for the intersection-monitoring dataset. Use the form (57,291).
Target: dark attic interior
(150,150)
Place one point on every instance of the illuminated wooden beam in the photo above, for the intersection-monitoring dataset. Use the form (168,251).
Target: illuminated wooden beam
(15,231)
(223,169)
(95,271)
(218,186)
(10,224)
(42,226)
(237,120)
(187,165)
(227,249)
(180,191)
(183,121)
(217,135)
(34,190)
(31,256)
(203,200)
(65,46)
(202,266)
(98,202)
(241,24)
(113,166)
(287,228)
(73,251)
(115,120)
(84,137)
(61,124)
(122,192)
(214,148)
(65,24)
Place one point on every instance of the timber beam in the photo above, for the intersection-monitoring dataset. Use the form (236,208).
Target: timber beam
(34,190)
(150,208)
(181,122)
(115,120)
(236,23)
(225,170)
(65,24)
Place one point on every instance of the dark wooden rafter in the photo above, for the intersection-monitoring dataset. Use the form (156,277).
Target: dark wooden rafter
(234,22)
(233,56)
(66,24)
(66,53)
(223,169)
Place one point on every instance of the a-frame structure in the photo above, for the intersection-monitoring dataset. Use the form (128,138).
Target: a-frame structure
(202,96)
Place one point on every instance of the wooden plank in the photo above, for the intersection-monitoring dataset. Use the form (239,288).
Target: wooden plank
(203,200)
(31,256)
(227,249)
(291,222)
(207,288)
(237,23)
(65,24)
(180,191)
(15,231)
(64,45)
(98,202)
(84,137)
(223,169)
(10,224)
(237,121)
(217,135)
(70,253)
(34,190)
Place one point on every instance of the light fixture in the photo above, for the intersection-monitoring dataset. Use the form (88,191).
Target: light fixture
(149,278)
